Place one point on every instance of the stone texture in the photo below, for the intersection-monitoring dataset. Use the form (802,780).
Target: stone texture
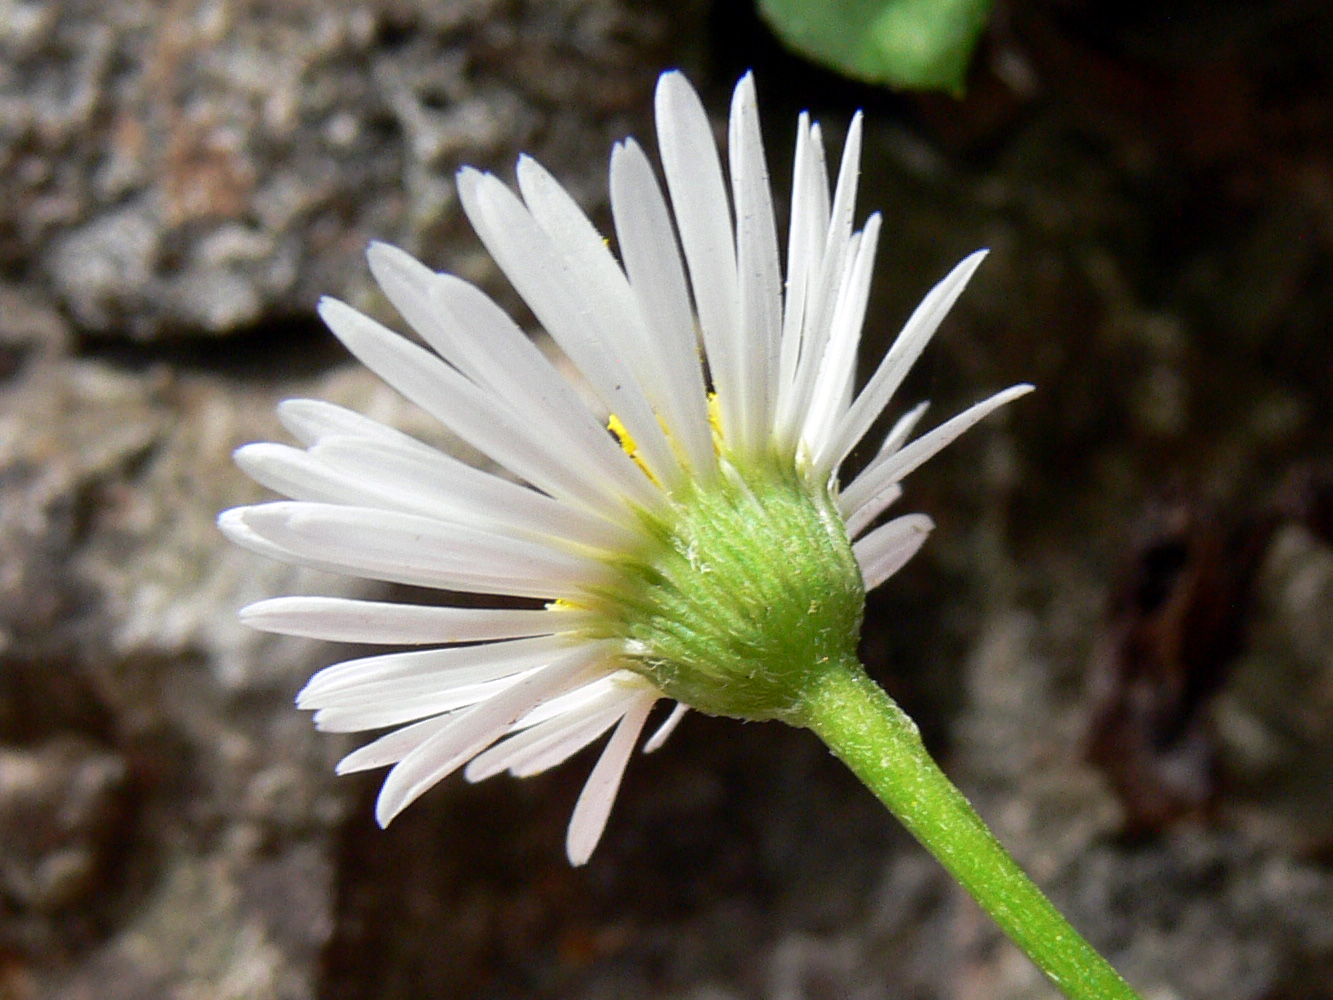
(199,167)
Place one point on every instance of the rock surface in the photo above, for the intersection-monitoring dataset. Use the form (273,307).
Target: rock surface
(205,166)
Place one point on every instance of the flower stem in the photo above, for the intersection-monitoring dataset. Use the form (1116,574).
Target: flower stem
(867,730)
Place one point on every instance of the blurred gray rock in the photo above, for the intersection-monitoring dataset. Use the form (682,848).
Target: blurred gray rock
(199,167)
(141,775)
(60,804)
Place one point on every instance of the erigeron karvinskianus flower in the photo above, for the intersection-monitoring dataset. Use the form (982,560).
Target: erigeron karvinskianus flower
(679,510)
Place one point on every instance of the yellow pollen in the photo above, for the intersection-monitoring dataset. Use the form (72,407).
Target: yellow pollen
(630,446)
(715,421)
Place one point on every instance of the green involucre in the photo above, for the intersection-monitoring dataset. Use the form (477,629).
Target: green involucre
(746,593)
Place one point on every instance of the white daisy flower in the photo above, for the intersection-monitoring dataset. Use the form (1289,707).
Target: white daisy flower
(679,511)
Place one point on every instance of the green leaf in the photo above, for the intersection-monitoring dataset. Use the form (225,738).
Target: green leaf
(914,44)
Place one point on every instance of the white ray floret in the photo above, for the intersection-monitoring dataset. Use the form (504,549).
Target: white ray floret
(657,280)
(922,325)
(341,619)
(700,361)
(888,548)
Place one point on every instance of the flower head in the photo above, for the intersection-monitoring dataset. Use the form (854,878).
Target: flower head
(678,509)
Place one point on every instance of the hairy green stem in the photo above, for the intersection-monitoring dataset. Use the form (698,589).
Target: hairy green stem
(867,730)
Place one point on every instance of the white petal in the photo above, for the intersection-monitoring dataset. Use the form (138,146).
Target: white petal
(888,548)
(294,473)
(703,218)
(537,748)
(823,294)
(232,523)
(438,485)
(839,365)
(668,727)
(805,246)
(471,732)
(314,422)
(475,335)
(558,297)
(393,747)
(414,689)
(441,667)
(407,284)
(843,210)
(907,347)
(609,686)
(870,510)
(489,425)
(405,476)
(413,681)
(903,427)
(609,299)
(397,703)
(559,746)
(486,342)
(757,268)
(338,619)
(594,804)
(889,468)
(311,419)
(396,700)
(418,551)
(657,277)
(819,177)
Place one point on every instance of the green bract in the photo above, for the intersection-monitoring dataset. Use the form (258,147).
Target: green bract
(748,592)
